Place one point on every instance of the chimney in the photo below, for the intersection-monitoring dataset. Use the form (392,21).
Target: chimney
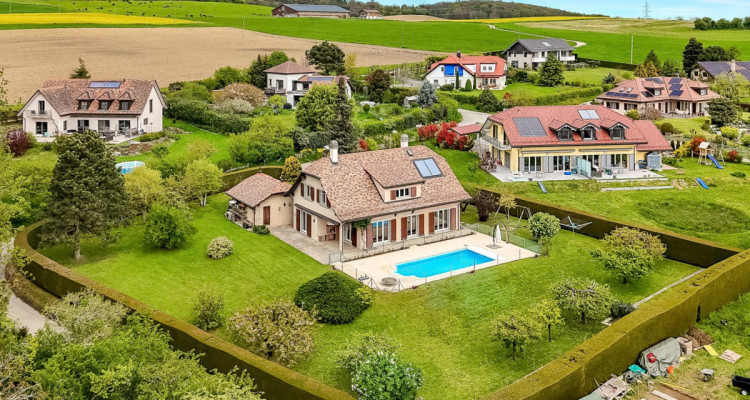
(458,54)
(334,152)
(733,66)
(404,140)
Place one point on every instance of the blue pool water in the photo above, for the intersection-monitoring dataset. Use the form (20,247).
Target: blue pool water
(128,166)
(442,263)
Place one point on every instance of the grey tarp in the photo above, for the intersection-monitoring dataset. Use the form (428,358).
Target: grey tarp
(667,353)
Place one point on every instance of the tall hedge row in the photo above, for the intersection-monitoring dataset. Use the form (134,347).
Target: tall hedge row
(230,179)
(201,114)
(545,100)
(399,123)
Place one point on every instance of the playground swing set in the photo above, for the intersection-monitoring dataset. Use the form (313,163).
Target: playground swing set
(708,154)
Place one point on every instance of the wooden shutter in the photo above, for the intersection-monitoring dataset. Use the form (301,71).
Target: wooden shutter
(312,195)
(302,189)
(298,225)
(431,223)
(421,224)
(393,230)
(453,219)
(309,225)
(317,194)
(354,236)
(368,235)
(328,203)
(413,191)
(403,228)
(393,195)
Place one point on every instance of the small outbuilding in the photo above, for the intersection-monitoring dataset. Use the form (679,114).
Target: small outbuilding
(370,14)
(259,200)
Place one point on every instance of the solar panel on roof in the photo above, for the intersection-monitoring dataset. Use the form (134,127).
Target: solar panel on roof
(646,93)
(610,93)
(546,44)
(104,85)
(427,167)
(529,126)
(320,78)
(675,93)
(634,96)
(675,87)
(674,80)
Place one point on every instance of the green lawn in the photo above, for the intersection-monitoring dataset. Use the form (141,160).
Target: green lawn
(7,7)
(444,327)
(590,75)
(687,125)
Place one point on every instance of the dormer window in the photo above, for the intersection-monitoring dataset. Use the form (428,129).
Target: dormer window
(84,104)
(125,105)
(403,193)
(588,133)
(565,134)
(322,198)
(617,133)
(704,91)
(104,105)
(657,92)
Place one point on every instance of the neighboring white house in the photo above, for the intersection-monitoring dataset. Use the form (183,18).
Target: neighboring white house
(370,14)
(531,53)
(128,107)
(485,71)
(292,81)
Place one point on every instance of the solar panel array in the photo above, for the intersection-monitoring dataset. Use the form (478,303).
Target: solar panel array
(675,93)
(588,114)
(529,127)
(674,81)
(427,168)
(320,78)
(657,80)
(623,95)
(105,84)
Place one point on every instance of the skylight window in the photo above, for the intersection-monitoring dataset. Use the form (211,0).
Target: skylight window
(546,44)
(588,114)
(104,85)
(427,168)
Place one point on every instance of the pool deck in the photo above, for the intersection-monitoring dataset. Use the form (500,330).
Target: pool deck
(381,266)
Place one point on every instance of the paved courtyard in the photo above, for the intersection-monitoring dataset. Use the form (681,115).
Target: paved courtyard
(504,174)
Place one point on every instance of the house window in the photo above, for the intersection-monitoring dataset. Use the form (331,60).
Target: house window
(613,105)
(532,164)
(65,126)
(617,133)
(403,193)
(145,122)
(493,81)
(442,220)
(84,104)
(381,232)
(103,124)
(104,105)
(412,226)
(123,125)
(41,128)
(42,105)
(592,158)
(657,92)
(703,92)
(514,64)
(125,105)
(348,233)
(323,199)
(279,84)
(618,160)
(83,125)
(630,106)
(150,106)
(565,134)
(561,163)
(303,221)
(588,133)
(435,81)
(308,192)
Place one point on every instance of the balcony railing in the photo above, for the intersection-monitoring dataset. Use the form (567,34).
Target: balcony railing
(38,114)
(494,142)
(568,58)
(273,91)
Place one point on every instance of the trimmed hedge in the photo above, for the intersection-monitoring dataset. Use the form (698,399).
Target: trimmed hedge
(201,114)
(609,64)
(230,179)
(274,380)
(545,100)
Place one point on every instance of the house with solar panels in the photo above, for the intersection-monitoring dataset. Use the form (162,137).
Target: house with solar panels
(567,142)
(126,107)
(368,199)
(707,71)
(293,81)
(680,97)
(531,53)
(310,10)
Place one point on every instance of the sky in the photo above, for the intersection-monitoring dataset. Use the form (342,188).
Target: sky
(659,8)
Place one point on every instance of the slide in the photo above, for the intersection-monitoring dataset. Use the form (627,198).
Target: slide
(716,163)
(541,186)
(700,182)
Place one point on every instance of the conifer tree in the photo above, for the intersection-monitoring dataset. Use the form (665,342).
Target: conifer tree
(81,72)
(551,72)
(653,58)
(693,51)
(427,96)
(340,125)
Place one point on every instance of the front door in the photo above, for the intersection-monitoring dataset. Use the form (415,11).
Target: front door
(267,215)
(83,125)
(123,125)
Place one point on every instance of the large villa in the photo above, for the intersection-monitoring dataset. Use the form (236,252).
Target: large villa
(671,96)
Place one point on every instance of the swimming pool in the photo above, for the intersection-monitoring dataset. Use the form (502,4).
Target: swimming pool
(442,263)
(128,166)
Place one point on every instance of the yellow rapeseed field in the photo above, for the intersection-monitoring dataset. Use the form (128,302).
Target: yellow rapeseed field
(526,19)
(85,18)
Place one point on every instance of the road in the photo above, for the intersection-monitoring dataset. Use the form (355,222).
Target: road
(472,117)
(24,315)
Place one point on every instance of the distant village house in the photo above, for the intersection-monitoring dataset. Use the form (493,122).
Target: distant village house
(676,96)
(293,81)
(310,10)
(707,71)
(457,69)
(531,53)
(370,14)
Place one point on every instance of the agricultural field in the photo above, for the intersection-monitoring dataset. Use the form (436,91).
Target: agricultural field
(530,19)
(76,19)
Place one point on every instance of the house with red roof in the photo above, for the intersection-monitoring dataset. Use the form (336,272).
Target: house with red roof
(671,96)
(457,69)
(589,140)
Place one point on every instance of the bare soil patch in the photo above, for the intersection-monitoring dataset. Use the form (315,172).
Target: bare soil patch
(414,18)
(32,56)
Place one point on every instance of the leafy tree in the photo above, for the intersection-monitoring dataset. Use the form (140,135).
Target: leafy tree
(379,83)
(340,125)
(516,330)
(586,298)
(266,330)
(208,308)
(81,72)
(714,53)
(276,57)
(276,102)
(551,71)
(86,317)
(199,149)
(645,70)
(652,58)
(487,102)
(254,73)
(731,85)
(485,204)
(202,177)
(427,95)
(227,75)
(609,79)
(167,227)
(549,315)
(243,91)
(191,91)
(18,142)
(629,253)
(315,109)
(671,68)
(723,111)
(543,226)
(690,55)
(87,193)
(327,57)
(291,170)
(508,202)
(268,139)
(352,71)
(3,89)
(144,187)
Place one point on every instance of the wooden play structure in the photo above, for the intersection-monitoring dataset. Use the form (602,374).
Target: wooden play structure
(709,154)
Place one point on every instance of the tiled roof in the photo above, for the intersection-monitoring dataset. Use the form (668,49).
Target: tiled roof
(539,44)
(467,129)
(323,79)
(644,133)
(63,95)
(256,188)
(715,68)
(316,8)
(353,195)
(654,137)
(476,61)
(290,67)
(641,90)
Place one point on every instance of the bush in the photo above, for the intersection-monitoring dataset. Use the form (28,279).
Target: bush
(468,87)
(219,247)
(733,156)
(745,140)
(487,102)
(167,227)
(366,108)
(485,204)
(738,174)
(543,225)
(261,230)
(208,307)
(234,106)
(619,309)
(336,297)
(667,127)
(242,91)
(633,114)
(447,87)
(150,137)
(18,142)
(729,132)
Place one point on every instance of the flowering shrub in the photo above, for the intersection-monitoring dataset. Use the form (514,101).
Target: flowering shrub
(220,247)
(446,138)
(362,145)
(18,142)
(734,156)
(427,131)
(695,142)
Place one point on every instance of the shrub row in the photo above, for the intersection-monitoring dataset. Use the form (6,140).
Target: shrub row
(608,64)
(399,123)
(561,97)
(200,113)
(230,179)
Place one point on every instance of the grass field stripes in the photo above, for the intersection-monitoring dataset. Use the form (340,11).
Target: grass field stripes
(530,19)
(86,18)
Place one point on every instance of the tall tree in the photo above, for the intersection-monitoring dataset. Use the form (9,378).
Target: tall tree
(81,72)
(690,55)
(671,68)
(291,170)
(654,59)
(314,110)
(714,53)
(87,193)
(3,89)
(340,125)
(549,315)
(629,253)
(257,77)
(515,330)
(551,72)
(427,96)
(202,177)
(731,85)
(586,298)
(487,102)
(723,111)
(378,82)
(144,187)
(327,57)
(646,70)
